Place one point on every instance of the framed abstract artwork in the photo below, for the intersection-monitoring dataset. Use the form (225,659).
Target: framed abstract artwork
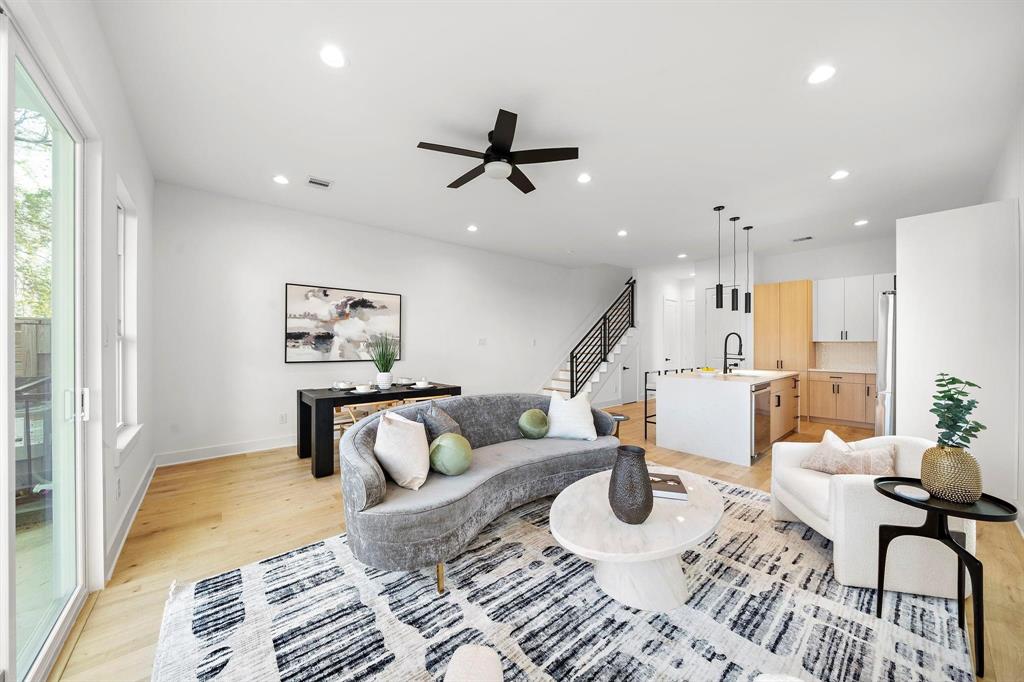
(324,324)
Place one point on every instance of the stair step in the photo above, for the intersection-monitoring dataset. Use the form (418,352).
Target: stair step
(559,384)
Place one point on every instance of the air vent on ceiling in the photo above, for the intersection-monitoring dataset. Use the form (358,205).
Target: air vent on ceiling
(319,182)
(803,239)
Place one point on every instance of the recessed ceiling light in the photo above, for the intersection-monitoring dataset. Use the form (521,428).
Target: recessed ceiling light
(472,228)
(332,56)
(861,223)
(840,175)
(622,233)
(280,179)
(821,74)
(583,178)
(682,255)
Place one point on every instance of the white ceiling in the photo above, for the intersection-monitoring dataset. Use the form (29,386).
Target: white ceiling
(675,108)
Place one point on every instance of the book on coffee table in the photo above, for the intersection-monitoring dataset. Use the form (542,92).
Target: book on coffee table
(669,486)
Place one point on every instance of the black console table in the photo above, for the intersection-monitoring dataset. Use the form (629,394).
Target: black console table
(315,417)
(936,526)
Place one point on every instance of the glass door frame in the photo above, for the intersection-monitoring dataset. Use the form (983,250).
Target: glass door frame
(14,50)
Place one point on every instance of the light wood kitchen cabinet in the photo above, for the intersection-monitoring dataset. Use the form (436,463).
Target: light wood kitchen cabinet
(766,326)
(822,403)
(783,407)
(869,399)
(850,402)
(782,328)
(843,396)
(795,345)
(782,325)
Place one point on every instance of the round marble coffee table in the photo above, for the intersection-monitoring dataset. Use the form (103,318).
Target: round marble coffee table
(636,565)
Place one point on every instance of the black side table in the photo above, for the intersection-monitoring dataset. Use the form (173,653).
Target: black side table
(936,526)
(618,418)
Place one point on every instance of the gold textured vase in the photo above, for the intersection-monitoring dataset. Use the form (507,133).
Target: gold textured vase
(951,474)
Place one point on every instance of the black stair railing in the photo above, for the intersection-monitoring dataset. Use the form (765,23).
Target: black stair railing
(593,349)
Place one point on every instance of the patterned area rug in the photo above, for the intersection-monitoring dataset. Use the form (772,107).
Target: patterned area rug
(763,599)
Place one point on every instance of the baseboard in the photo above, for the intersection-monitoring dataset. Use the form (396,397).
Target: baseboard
(164,459)
(114,551)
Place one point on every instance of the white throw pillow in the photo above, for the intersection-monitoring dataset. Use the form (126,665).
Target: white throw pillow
(401,449)
(835,456)
(570,418)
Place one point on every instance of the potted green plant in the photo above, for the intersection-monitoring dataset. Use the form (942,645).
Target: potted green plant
(948,471)
(384,352)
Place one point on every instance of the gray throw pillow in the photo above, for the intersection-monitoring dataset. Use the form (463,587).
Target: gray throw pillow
(437,422)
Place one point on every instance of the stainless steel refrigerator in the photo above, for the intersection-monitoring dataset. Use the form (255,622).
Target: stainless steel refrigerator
(885,403)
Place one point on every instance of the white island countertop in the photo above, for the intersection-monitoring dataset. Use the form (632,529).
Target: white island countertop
(740,376)
(711,415)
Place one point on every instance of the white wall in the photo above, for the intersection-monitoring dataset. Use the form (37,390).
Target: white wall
(843,260)
(71,47)
(220,269)
(1008,183)
(962,320)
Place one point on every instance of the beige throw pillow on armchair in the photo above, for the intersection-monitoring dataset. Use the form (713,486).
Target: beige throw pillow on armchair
(402,451)
(835,456)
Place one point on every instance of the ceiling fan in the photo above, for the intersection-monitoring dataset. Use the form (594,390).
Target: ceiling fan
(499,161)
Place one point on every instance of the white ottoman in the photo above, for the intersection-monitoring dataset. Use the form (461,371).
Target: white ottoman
(473,663)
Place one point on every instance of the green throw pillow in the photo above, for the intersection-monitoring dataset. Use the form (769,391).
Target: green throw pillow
(533,424)
(450,454)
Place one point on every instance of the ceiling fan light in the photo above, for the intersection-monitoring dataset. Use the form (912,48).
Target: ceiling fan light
(499,170)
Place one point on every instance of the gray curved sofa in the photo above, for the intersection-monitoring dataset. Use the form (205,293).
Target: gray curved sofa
(393,528)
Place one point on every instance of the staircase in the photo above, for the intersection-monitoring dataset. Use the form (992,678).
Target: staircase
(590,360)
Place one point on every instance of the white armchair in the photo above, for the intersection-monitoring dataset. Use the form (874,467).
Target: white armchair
(846,509)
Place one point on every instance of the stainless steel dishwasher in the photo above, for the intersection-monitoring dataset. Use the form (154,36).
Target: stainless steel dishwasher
(761,418)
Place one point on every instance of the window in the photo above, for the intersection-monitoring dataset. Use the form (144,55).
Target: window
(122,296)
(125,316)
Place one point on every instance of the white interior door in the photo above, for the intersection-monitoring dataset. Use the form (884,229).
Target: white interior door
(628,386)
(689,329)
(670,321)
(43,534)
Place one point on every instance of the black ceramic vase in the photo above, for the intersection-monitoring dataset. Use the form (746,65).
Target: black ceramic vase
(629,492)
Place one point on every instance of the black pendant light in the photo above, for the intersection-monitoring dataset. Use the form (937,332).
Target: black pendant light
(735,289)
(747,308)
(719,289)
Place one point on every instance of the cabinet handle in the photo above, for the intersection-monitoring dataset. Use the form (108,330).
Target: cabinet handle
(834,388)
(867,391)
(778,400)
(832,376)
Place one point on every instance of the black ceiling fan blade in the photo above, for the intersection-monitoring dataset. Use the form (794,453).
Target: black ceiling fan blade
(545,155)
(450,150)
(466,177)
(504,130)
(519,179)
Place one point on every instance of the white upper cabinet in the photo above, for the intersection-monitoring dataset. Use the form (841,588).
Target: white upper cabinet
(859,307)
(829,301)
(846,308)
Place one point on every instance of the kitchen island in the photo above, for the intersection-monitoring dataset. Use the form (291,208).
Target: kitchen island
(731,417)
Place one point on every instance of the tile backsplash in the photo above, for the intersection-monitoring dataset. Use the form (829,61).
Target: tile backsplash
(848,355)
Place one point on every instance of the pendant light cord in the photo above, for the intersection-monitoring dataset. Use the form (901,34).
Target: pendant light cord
(748,259)
(719,245)
(734,254)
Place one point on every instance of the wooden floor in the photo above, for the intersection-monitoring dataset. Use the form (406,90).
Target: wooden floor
(208,517)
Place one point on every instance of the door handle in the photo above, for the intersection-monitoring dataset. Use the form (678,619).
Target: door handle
(668,359)
(624,368)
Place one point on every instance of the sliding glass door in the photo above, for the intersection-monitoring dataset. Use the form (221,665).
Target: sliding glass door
(43,318)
